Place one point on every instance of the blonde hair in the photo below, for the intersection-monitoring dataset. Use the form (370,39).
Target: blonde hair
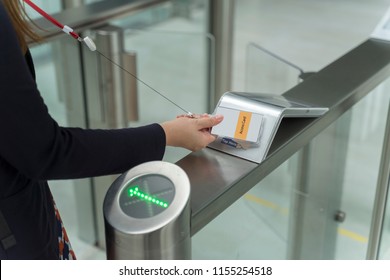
(21,22)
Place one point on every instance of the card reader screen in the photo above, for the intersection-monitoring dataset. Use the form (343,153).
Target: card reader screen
(146,196)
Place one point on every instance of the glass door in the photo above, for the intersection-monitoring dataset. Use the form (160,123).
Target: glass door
(267,72)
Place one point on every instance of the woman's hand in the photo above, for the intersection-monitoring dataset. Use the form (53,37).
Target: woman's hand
(190,133)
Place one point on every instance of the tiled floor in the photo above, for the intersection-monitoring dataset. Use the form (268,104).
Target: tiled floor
(311,34)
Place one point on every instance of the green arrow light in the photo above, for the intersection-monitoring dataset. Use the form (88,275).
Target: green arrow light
(135,192)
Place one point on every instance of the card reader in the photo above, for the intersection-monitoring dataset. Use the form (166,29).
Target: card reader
(251,121)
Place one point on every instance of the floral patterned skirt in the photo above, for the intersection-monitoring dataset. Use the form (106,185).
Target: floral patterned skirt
(65,249)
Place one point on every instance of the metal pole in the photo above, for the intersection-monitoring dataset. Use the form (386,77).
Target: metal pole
(221,27)
(382,190)
(112,101)
(130,87)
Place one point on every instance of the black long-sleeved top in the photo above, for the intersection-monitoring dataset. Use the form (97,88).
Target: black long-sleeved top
(34,149)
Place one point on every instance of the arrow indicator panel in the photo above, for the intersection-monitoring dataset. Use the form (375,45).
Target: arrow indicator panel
(135,192)
(146,196)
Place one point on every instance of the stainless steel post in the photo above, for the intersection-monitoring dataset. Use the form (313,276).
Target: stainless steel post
(221,27)
(130,86)
(111,114)
(111,97)
(382,191)
(147,214)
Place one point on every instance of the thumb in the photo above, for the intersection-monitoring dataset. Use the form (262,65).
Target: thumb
(209,122)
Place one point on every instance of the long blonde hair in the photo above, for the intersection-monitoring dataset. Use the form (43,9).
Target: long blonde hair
(21,22)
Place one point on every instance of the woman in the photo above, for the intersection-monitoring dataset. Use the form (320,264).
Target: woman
(34,149)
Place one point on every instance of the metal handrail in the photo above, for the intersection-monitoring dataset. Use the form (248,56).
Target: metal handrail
(89,16)
(218,179)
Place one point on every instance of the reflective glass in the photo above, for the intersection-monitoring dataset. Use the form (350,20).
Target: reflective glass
(267,72)
(361,173)
(254,227)
(172,53)
(50,7)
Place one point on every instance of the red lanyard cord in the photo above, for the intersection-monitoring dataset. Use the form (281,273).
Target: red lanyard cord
(65,28)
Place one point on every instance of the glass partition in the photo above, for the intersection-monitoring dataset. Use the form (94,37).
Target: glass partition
(55,6)
(266,72)
(361,173)
(176,65)
(173,54)
(256,226)
(48,6)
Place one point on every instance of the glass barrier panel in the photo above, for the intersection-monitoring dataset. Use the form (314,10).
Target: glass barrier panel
(256,226)
(50,7)
(55,6)
(361,172)
(176,64)
(177,67)
(266,72)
